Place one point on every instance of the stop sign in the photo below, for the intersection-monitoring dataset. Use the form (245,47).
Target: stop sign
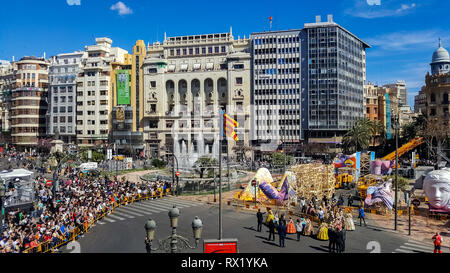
(254,183)
(48,183)
(178,173)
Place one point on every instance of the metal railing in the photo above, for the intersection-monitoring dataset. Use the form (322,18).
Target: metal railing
(52,245)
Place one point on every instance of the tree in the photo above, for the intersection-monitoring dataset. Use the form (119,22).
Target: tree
(203,164)
(364,132)
(278,159)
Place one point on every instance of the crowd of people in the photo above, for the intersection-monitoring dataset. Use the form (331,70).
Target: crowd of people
(332,226)
(77,203)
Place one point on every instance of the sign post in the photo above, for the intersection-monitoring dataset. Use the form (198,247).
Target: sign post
(220,246)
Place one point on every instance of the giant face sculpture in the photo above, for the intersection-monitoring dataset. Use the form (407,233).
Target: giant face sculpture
(436,186)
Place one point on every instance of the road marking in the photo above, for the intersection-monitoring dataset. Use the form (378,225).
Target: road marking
(116,217)
(123,210)
(164,206)
(171,203)
(143,209)
(109,220)
(421,246)
(402,250)
(101,223)
(123,214)
(174,199)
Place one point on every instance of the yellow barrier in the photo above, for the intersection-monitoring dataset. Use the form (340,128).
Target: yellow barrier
(49,247)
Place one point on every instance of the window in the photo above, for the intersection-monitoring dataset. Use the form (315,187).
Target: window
(62,109)
(239,80)
(55,119)
(203,50)
(69,118)
(238,66)
(62,119)
(70,109)
(216,49)
(153,84)
(55,109)
(197,51)
(223,49)
(210,50)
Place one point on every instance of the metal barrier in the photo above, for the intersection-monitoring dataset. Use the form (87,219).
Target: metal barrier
(50,246)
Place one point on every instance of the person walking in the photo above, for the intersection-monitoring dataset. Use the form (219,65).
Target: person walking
(332,240)
(350,200)
(259,216)
(271,230)
(282,233)
(361,216)
(437,240)
(298,229)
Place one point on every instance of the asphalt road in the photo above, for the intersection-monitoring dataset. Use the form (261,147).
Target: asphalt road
(121,234)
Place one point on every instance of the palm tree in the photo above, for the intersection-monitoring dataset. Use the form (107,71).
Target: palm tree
(359,137)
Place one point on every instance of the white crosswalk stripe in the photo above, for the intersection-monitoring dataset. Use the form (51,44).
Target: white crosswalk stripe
(415,247)
(143,208)
(124,210)
(116,217)
(178,204)
(122,214)
(165,206)
(151,208)
(140,208)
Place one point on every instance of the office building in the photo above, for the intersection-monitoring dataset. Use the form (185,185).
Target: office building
(62,98)
(333,82)
(276,90)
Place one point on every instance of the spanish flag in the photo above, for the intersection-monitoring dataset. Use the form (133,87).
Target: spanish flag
(228,126)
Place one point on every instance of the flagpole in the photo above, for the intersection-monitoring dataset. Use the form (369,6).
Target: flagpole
(228,166)
(220,173)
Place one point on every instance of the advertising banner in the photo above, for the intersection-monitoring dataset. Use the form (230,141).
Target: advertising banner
(220,246)
(123,87)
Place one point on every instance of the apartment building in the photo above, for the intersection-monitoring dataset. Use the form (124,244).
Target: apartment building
(371,101)
(187,79)
(29,102)
(7,84)
(94,96)
(276,89)
(62,93)
(400,90)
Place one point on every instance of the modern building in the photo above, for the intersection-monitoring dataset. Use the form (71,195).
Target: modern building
(437,87)
(94,96)
(276,90)
(399,89)
(187,80)
(128,100)
(62,97)
(420,101)
(29,102)
(333,80)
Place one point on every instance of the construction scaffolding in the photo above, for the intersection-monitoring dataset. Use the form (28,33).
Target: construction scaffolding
(314,179)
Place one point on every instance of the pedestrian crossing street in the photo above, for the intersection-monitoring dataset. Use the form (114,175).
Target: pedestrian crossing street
(145,208)
(413,246)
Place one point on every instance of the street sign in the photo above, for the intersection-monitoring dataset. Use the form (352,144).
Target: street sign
(416,203)
(220,246)
(254,183)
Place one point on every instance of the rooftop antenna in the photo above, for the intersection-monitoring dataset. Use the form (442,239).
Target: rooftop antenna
(440,42)
(270,21)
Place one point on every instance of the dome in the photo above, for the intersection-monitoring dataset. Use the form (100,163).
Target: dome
(440,55)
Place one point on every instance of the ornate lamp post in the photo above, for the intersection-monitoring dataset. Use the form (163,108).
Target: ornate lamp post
(2,194)
(174,242)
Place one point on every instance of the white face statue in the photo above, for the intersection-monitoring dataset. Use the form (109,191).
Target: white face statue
(437,189)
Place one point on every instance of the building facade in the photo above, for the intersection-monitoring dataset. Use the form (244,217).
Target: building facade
(62,98)
(29,102)
(94,96)
(187,80)
(371,101)
(276,89)
(400,91)
(128,99)
(420,101)
(437,87)
(7,84)
(334,82)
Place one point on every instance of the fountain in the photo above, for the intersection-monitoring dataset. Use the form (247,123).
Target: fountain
(187,157)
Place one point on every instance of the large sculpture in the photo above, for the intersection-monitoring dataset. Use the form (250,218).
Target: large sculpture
(380,194)
(284,191)
(436,186)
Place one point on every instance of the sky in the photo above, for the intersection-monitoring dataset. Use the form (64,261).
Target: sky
(403,34)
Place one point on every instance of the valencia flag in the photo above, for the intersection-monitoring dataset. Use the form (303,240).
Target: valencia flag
(229,125)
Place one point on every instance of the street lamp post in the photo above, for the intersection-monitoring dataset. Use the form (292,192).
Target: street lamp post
(396,127)
(173,242)
(2,194)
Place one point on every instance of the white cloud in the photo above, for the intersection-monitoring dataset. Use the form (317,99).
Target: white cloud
(73,2)
(373,2)
(373,9)
(408,40)
(121,8)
